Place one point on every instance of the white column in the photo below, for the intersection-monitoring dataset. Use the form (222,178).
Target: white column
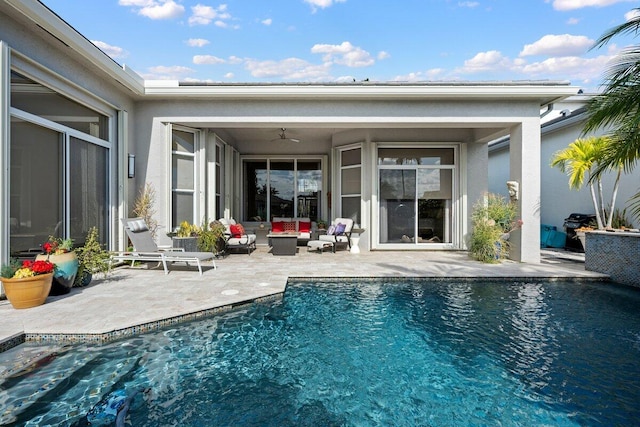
(524,163)
(5,148)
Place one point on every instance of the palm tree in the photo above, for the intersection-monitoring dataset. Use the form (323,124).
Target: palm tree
(618,106)
(579,160)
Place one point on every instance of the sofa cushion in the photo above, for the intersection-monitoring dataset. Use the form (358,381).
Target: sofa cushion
(340,228)
(277,227)
(289,226)
(304,226)
(331,230)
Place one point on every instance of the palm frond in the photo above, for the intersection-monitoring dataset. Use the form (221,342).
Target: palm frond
(631,26)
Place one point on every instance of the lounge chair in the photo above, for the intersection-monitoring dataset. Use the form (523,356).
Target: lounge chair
(237,240)
(145,248)
(339,233)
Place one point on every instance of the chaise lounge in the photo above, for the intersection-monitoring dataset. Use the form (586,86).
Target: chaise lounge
(146,249)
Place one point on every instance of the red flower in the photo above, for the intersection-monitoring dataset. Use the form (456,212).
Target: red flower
(48,247)
(39,267)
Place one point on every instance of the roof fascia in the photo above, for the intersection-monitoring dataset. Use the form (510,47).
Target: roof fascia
(543,93)
(56,26)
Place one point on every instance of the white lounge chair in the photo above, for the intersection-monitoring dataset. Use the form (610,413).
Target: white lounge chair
(146,249)
(340,238)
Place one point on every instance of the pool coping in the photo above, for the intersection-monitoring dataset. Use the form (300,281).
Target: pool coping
(101,338)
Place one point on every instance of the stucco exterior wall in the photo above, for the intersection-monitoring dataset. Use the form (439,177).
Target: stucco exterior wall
(557,200)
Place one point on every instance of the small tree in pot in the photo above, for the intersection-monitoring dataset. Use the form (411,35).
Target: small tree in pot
(92,259)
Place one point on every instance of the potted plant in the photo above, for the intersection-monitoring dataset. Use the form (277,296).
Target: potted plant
(27,284)
(211,238)
(92,259)
(60,252)
(186,236)
(322,225)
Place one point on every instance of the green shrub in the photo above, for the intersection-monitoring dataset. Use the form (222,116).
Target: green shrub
(492,221)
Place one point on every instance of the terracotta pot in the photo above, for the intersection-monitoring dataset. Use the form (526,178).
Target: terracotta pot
(65,274)
(28,291)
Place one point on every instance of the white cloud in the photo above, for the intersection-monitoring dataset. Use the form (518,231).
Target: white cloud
(267,21)
(234,60)
(322,4)
(421,76)
(573,21)
(288,69)
(163,9)
(136,3)
(112,51)
(162,72)
(197,42)
(579,4)
(229,76)
(583,69)
(383,55)
(470,4)
(486,61)
(344,54)
(207,59)
(631,14)
(558,45)
(204,15)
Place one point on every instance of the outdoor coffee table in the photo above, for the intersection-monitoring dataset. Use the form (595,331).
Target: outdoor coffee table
(283,243)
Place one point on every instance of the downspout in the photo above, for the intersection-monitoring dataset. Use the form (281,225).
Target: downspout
(549,109)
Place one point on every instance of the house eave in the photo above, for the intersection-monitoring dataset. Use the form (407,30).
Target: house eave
(544,92)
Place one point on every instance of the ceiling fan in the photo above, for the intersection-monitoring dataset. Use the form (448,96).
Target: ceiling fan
(283,136)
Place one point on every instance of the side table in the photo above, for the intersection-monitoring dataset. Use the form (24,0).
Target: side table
(355,239)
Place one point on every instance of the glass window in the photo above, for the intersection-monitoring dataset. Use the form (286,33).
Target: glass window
(281,189)
(183,162)
(88,190)
(36,189)
(309,188)
(32,97)
(351,183)
(416,156)
(416,194)
(294,189)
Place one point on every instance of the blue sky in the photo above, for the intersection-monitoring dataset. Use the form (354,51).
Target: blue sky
(342,40)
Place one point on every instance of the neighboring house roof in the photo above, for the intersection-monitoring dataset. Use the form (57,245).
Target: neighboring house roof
(565,118)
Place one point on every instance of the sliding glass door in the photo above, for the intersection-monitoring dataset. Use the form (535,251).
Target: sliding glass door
(415,189)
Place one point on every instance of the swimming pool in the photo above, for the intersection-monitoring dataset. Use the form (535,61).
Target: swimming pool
(396,353)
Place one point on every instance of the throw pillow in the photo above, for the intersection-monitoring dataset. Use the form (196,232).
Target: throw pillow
(237,230)
(290,227)
(304,227)
(340,228)
(138,225)
(331,230)
(277,227)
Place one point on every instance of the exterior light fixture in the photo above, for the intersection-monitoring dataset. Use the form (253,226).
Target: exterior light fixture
(131,166)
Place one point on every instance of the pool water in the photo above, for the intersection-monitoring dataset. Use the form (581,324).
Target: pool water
(428,353)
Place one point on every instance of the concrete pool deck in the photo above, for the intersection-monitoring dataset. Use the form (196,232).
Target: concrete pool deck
(134,300)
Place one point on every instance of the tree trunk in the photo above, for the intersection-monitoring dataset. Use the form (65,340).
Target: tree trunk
(595,205)
(613,198)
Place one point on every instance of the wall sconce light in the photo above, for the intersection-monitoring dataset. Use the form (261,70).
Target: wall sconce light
(131,166)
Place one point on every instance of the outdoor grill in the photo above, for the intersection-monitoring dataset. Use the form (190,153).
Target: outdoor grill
(573,222)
